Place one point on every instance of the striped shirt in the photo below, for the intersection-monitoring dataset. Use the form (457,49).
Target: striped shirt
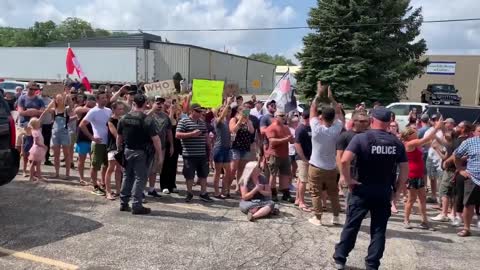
(194,146)
(471,149)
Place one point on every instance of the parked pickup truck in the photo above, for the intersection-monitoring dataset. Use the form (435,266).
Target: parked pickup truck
(441,94)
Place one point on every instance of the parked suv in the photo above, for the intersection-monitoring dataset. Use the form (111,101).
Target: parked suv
(9,156)
(441,94)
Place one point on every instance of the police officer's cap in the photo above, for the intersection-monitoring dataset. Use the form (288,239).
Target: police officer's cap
(383,114)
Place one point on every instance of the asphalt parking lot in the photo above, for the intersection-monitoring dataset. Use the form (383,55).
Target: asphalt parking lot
(60,225)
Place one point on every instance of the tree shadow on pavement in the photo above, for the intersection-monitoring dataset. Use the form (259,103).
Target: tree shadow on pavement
(32,216)
(423,236)
(190,216)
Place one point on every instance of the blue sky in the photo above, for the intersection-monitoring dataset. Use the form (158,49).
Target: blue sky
(455,38)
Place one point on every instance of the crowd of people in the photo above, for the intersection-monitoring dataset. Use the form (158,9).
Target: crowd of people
(257,152)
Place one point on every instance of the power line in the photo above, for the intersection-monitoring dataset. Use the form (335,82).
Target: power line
(291,27)
(279,28)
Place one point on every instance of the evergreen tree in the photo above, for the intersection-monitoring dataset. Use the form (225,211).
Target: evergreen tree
(366,49)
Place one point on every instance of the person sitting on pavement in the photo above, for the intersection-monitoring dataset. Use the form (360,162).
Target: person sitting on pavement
(256,193)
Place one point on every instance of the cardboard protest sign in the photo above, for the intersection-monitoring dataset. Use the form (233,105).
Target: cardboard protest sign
(208,94)
(52,90)
(161,88)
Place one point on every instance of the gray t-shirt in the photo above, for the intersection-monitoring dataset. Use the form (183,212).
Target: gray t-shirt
(163,124)
(222,135)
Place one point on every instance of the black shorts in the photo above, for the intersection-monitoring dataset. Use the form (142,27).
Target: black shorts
(472,192)
(415,183)
(192,165)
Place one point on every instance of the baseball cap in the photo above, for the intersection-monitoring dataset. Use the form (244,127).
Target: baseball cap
(270,102)
(382,114)
(434,117)
(450,120)
(159,99)
(196,107)
(32,85)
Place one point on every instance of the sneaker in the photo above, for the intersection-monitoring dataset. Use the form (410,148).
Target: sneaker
(286,197)
(154,194)
(144,198)
(98,191)
(336,220)
(441,218)
(457,222)
(407,226)
(166,191)
(189,197)
(292,188)
(339,266)
(48,163)
(431,200)
(424,226)
(125,208)
(315,221)
(141,211)
(250,217)
(205,198)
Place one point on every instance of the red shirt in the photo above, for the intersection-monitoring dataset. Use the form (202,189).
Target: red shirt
(415,164)
(277,131)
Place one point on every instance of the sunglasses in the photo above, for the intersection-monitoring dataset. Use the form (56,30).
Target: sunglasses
(281,115)
(33,89)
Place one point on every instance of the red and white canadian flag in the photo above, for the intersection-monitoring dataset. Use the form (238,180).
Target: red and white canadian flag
(74,65)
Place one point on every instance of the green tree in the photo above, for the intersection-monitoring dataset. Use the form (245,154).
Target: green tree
(278,60)
(362,62)
(42,33)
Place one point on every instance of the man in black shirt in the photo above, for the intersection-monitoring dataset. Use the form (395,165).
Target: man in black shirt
(377,154)
(303,148)
(361,123)
(136,134)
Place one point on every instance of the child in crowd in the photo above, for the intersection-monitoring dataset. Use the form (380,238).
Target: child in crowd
(37,150)
(27,142)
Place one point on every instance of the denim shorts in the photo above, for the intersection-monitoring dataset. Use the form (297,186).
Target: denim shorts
(222,155)
(61,138)
(241,155)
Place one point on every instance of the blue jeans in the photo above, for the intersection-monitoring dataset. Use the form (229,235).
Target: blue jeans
(134,177)
(365,199)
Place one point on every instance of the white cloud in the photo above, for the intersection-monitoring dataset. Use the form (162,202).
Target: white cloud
(455,37)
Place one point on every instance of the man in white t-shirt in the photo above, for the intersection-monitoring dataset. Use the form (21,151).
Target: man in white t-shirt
(98,117)
(433,165)
(258,111)
(322,171)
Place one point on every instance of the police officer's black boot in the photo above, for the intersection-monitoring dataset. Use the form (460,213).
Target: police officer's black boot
(287,197)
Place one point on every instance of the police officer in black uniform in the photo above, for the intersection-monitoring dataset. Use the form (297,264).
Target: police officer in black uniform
(377,154)
(136,134)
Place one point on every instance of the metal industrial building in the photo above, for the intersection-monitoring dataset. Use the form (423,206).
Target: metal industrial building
(191,61)
(463,71)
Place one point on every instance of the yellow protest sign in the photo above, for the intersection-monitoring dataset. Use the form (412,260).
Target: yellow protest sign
(209,94)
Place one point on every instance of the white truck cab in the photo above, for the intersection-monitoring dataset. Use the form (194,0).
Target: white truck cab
(402,109)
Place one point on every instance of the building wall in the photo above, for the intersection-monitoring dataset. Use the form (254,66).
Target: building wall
(170,59)
(262,72)
(466,78)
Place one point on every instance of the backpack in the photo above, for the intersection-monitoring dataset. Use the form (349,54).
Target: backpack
(9,156)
